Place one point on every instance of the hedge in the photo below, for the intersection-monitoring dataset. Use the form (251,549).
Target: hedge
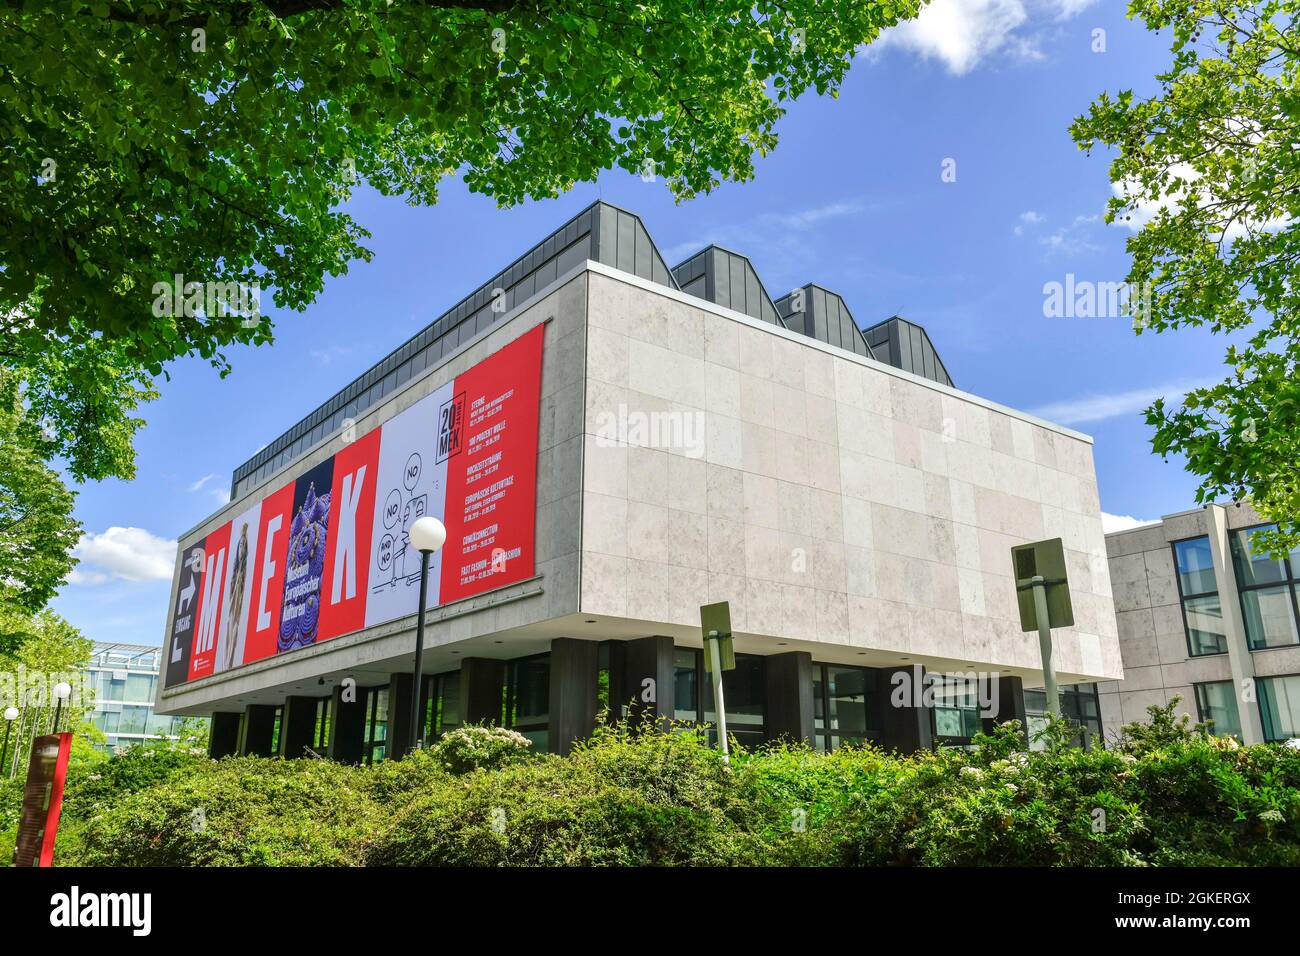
(1171,795)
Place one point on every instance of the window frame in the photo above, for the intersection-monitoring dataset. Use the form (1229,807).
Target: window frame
(1183,598)
(1289,582)
(824,737)
(1202,717)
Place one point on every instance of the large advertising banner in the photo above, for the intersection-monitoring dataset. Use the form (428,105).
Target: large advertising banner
(203,656)
(329,553)
(489,432)
(267,590)
(237,590)
(347,556)
(304,568)
(412,483)
(181,631)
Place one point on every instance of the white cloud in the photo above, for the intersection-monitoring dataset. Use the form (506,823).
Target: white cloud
(963,33)
(221,494)
(1071,239)
(1097,408)
(1143,210)
(198,485)
(1027,218)
(128,554)
(1111,523)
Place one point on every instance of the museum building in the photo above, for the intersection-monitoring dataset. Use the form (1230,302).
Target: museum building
(613,443)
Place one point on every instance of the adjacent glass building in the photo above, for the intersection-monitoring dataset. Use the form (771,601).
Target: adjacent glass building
(124,679)
(1206,614)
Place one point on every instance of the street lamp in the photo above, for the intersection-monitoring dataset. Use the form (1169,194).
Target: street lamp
(427,536)
(62,691)
(11,714)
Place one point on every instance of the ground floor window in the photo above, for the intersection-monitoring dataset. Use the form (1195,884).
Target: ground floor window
(742,691)
(376,742)
(320,736)
(1279,706)
(442,705)
(1078,703)
(846,706)
(528,699)
(956,709)
(1216,703)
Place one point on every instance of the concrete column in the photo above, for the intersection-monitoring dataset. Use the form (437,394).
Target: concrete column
(399,715)
(482,689)
(789,688)
(574,672)
(908,725)
(297,726)
(223,734)
(648,679)
(1010,706)
(1234,628)
(348,726)
(257,731)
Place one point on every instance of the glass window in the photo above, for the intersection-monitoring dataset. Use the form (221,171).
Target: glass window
(1279,706)
(1198,588)
(376,724)
(742,690)
(139,687)
(1078,703)
(445,704)
(134,720)
(686,685)
(1205,634)
(1195,566)
(1267,587)
(956,707)
(1269,616)
(1217,704)
(846,706)
(529,699)
(1254,567)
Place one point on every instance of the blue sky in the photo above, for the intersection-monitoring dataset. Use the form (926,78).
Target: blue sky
(853,198)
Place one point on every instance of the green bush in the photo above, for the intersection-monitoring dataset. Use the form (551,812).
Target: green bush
(1168,795)
(480,748)
(235,812)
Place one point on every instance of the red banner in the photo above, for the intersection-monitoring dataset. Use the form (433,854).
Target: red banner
(42,800)
(329,552)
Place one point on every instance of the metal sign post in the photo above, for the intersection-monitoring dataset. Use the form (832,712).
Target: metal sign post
(712,640)
(1045,643)
(1043,597)
(719,656)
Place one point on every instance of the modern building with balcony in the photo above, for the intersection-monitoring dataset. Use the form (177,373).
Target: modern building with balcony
(124,678)
(612,443)
(1205,615)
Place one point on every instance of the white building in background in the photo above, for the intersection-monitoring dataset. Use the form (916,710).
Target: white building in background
(124,679)
(1205,616)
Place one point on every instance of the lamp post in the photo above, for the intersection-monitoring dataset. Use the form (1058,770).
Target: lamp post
(62,691)
(427,536)
(11,714)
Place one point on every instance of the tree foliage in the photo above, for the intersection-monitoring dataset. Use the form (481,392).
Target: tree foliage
(217,142)
(1211,159)
(37,530)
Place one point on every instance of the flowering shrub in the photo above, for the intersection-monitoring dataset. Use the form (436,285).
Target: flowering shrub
(480,748)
